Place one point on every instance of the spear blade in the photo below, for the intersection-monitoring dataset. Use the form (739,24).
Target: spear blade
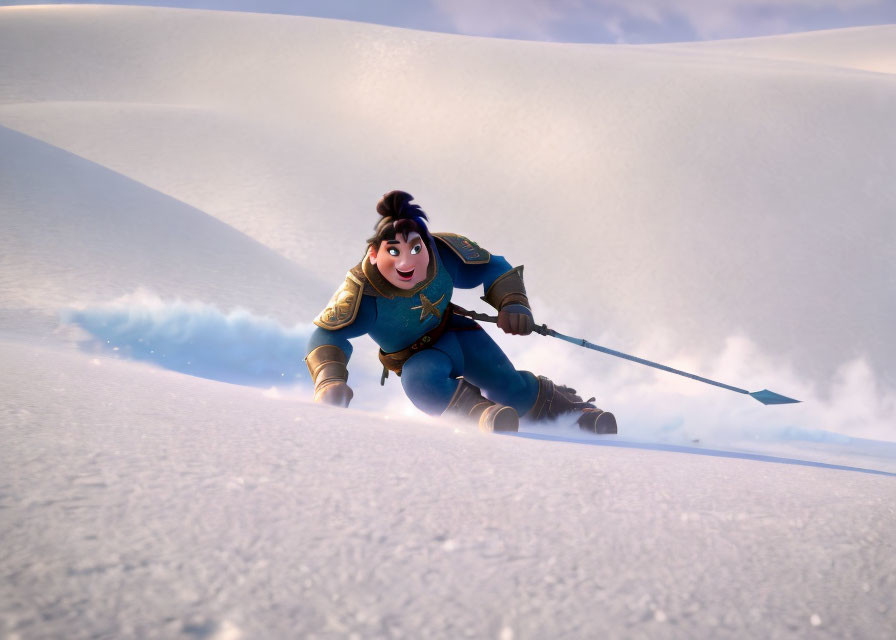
(770,397)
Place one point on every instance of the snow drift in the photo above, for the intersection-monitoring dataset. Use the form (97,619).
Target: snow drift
(197,339)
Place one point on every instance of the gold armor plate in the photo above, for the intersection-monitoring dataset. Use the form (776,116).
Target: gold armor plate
(343,307)
(466,249)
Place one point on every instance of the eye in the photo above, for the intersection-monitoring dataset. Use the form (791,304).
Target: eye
(393,251)
(416,249)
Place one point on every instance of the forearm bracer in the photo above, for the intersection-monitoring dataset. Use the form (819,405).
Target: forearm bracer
(327,365)
(508,289)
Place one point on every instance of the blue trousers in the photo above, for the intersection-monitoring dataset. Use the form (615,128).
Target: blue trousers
(429,377)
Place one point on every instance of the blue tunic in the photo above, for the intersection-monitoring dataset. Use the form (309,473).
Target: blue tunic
(403,316)
(396,318)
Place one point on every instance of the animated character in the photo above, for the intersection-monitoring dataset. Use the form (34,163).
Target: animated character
(400,294)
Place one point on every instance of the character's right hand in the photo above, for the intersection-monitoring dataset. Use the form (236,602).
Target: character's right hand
(516,319)
(336,393)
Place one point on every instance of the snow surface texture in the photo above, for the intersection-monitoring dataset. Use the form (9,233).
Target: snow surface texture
(181,191)
(138,502)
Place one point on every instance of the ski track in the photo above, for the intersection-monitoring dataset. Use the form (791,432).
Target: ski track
(657,446)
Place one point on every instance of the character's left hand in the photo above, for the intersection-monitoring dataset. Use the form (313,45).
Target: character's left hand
(516,319)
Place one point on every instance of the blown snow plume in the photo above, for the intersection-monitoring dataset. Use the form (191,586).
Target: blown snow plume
(195,338)
(660,407)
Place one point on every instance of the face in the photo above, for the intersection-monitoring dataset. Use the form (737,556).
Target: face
(402,262)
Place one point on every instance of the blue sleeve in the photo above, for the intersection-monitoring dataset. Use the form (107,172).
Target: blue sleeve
(340,337)
(469,276)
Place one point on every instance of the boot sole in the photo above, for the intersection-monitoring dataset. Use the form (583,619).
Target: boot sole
(499,418)
(601,422)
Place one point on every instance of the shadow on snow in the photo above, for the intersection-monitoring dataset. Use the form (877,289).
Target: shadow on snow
(650,446)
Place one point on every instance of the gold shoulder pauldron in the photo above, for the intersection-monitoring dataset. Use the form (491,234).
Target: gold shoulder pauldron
(342,310)
(466,249)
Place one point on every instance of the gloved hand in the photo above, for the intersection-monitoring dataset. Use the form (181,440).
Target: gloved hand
(516,319)
(336,393)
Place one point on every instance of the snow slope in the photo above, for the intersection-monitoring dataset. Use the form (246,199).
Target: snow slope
(180,192)
(142,503)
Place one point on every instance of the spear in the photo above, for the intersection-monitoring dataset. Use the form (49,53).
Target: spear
(765,396)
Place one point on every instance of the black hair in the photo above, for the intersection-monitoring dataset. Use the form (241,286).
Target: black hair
(398,216)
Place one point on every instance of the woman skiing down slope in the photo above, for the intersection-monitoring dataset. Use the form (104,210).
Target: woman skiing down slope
(400,294)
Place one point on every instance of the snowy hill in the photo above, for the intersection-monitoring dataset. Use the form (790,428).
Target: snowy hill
(703,202)
(181,191)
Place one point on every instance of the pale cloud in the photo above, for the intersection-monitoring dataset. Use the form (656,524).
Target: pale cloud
(634,21)
(657,20)
(530,17)
(729,18)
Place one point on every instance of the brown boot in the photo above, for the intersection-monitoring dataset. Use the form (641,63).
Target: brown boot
(469,403)
(556,400)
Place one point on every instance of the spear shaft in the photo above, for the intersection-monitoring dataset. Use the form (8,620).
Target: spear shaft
(765,396)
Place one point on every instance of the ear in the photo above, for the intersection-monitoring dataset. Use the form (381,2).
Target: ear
(371,254)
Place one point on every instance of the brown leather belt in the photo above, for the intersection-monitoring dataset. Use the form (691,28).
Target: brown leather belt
(395,361)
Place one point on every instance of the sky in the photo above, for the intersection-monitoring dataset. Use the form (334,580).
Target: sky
(596,21)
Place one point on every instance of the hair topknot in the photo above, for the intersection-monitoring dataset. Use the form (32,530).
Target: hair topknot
(398,216)
(397,205)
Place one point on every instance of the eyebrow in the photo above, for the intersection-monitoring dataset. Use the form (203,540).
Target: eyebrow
(409,241)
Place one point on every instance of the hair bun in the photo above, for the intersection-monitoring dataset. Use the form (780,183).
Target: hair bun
(398,216)
(393,204)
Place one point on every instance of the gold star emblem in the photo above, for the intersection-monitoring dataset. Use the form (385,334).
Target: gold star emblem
(428,308)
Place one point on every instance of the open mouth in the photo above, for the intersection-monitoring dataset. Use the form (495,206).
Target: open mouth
(405,275)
